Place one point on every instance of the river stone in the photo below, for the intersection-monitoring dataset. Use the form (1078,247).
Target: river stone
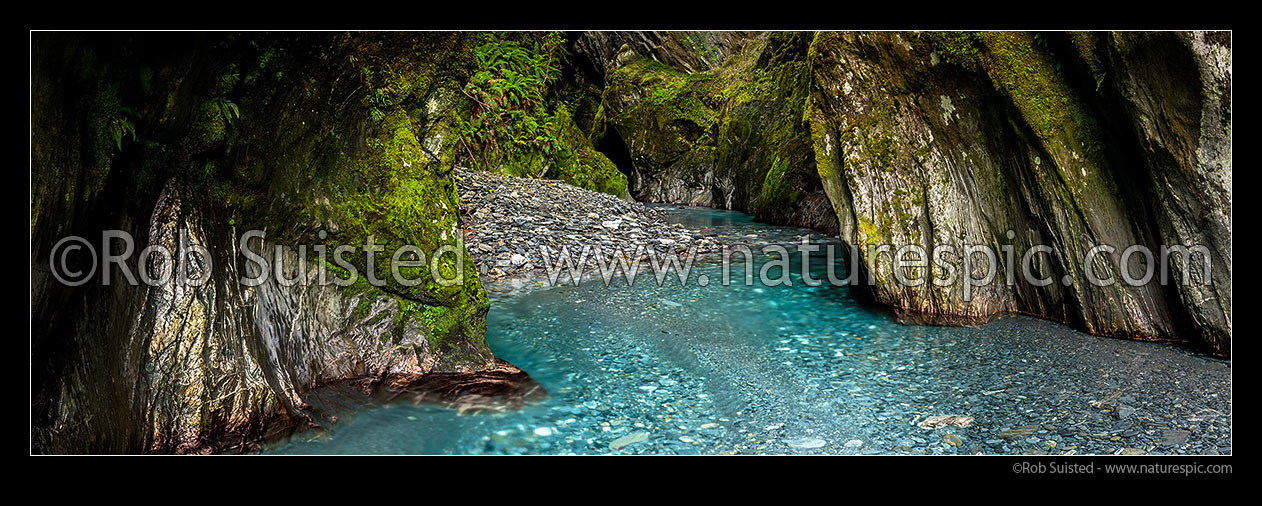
(1124,412)
(806,443)
(934,422)
(1019,432)
(1174,437)
(629,439)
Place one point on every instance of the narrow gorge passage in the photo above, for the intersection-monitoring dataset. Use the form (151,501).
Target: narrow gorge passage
(422,242)
(758,369)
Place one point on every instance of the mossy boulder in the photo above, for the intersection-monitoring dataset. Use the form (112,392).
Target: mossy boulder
(578,163)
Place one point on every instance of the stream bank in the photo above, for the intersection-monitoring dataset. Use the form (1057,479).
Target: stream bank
(650,369)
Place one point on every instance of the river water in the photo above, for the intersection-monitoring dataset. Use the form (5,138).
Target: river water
(749,369)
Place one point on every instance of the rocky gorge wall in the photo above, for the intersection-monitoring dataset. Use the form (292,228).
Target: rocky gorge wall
(190,140)
(723,129)
(1007,140)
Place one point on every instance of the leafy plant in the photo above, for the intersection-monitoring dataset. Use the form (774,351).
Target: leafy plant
(120,127)
(508,89)
(228,110)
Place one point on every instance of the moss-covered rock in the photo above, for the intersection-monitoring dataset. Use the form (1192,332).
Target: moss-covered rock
(730,137)
(315,139)
(514,121)
(1004,140)
(578,163)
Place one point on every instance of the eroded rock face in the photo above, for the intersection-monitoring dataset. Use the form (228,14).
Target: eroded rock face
(954,139)
(683,51)
(731,137)
(228,358)
(205,137)
(1176,89)
(947,140)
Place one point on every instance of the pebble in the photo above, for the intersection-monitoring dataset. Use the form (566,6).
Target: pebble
(629,439)
(812,358)
(1018,432)
(509,222)
(806,443)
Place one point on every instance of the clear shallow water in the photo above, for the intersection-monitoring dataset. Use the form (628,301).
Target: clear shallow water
(787,369)
(733,227)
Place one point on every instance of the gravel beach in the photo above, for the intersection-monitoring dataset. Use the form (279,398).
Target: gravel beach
(509,221)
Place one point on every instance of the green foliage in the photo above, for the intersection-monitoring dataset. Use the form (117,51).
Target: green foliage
(228,110)
(120,127)
(513,125)
(509,118)
(960,48)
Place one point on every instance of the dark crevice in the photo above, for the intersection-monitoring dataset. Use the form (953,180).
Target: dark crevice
(613,147)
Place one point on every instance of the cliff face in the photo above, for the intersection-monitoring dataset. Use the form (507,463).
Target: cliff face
(191,140)
(947,140)
(1176,92)
(730,136)
(1016,140)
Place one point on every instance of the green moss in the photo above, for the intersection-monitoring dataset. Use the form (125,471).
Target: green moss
(388,186)
(391,192)
(775,193)
(959,48)
(826,165)
(743,121)
(1033,80)
(871,233)
(647,70)
(1020,66)
(578,163)
(672,99)
(1088,46)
